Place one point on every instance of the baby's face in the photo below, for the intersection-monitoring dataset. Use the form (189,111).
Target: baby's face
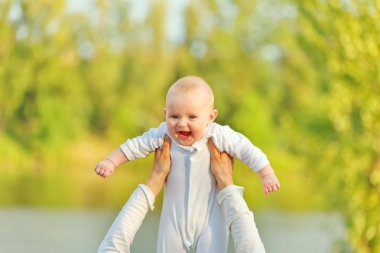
(188,115)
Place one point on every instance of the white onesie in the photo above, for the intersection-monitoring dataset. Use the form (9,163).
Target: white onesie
(191,218)
(238,218)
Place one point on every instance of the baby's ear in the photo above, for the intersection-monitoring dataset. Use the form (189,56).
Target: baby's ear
(165,111)
(213,115)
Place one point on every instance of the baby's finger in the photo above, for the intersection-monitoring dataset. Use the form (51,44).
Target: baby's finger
(104,172)
(98,171)
(266,190)
(107,173)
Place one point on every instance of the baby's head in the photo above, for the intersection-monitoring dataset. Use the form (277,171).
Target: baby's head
(189,109)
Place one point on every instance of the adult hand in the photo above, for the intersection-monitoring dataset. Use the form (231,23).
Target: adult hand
(161,167)
(221,166)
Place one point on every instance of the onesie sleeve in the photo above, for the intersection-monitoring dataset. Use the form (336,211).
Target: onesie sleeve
(142,145)
(238,146)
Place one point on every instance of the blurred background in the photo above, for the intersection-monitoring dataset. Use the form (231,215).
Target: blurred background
(301,79)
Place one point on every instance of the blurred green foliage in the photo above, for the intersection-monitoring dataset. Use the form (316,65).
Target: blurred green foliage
(300,79)
(339,124)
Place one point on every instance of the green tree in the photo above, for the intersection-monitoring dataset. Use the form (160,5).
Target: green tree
(332,91)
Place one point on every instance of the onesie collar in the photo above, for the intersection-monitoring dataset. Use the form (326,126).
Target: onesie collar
(196,145)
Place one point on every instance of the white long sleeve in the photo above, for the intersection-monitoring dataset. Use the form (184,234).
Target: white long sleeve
(238,146)
(239,219)
(225,139)
(141,146)
(120,236)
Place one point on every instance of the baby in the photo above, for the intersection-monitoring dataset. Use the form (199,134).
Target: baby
(191,217)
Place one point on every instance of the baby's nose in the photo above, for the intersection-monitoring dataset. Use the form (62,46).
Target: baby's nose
(182,122)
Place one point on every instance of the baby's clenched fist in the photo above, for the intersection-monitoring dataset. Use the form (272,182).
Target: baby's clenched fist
(105,168)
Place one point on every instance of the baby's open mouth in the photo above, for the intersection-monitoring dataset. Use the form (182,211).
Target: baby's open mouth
(184,134)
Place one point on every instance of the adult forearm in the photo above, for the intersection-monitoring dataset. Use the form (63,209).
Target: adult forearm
(240,220)
(122,232)
(155,182)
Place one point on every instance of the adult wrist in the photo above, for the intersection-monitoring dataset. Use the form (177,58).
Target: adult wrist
(223,185)
(154,185)
(223,182)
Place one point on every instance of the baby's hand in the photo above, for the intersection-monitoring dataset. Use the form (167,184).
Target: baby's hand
(105,168)
(269,180)
(270,183)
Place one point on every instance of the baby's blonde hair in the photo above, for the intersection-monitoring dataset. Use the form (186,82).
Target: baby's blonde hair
(192,84)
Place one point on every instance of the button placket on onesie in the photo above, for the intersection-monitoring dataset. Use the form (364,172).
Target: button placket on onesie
(190,236)
(189,198)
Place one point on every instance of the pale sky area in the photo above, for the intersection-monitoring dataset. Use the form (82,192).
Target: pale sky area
(174,21)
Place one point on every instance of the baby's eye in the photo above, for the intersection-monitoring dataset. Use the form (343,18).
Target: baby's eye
(174,117)
(192,117)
